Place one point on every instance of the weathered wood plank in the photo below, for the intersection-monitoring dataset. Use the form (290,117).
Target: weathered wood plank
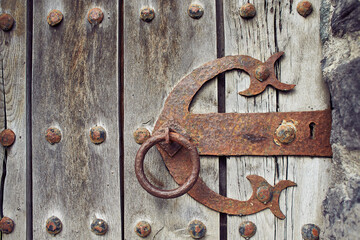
(278,27)
(157,55)
(12,59)
(75,87)
(300,39)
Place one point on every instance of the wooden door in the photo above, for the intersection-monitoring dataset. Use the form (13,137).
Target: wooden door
(117,74)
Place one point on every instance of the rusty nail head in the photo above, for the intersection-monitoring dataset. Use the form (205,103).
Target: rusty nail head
(6,22)
(97,135)
(95,16)
(53,225)
(310,232)
(7,137)
(141,135)
(304,8)
(147,14)
(285,133)
(247,229)
(264,194)
(196,11)
(247,11)
(262,73)
(197,229)
(53,135)
(99,227)
(7,225)
(143,229)
(54,17)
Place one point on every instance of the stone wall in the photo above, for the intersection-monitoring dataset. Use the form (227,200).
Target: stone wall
(340,34)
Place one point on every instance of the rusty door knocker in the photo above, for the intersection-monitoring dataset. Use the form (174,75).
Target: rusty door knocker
(231,134)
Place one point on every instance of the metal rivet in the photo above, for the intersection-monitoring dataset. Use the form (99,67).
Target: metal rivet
(197,229)
(247,229)
(304,8)
(310,232)
(7,225)
(53,225)
(6,22)
(54,17)
(7,137)
(285,133)
(141,135)
(95,16)
(99,227)
(247,11)
(143,229)
(196,11)
(147,14)
(53,135)
(264,194)
(97,135)
(262,73)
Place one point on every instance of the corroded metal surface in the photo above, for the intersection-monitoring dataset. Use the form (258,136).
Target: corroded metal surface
(247,11)
(97,135)
(7,137)
(95,16)
(304,8)
(197,229)
(53,225)
(54,17)
(7,225)
(193,168)
(196,11)
(53,135)
(6,22)
(247,229)
(234,134)
(99,227)
(141,135)
(142,229)
(147,14)
(310,232)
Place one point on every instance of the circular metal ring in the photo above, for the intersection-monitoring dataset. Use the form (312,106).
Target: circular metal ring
(139,165)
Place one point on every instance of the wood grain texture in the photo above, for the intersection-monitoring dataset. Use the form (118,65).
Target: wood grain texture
(75,87)
(277,27)
(12,61)
(157,55)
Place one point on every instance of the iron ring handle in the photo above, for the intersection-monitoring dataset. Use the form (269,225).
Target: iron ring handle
(139,165)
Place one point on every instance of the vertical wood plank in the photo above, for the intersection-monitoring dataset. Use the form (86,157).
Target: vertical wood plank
(300,39)
(12,99)
(157,55)
(75,87)
(256,38)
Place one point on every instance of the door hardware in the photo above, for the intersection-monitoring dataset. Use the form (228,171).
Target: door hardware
(236,134)
(7,225)
(99,227)
(53,135)
(53,225)
(7,137)
(247,229)
(143,229)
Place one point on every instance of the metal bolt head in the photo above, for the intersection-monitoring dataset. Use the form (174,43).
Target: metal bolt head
(53,135)
(304,8)
(6,22)
(264,194)
(54,17)
(310,232)
(95,16)
(247,11)
(7,225)
(97,135)
(143,229)
(147,14)
(196,11)
(286,132)
(247,229)
(197,229)
(99,227)
(7,137)
(53,225)
(262,73)
(141,135)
